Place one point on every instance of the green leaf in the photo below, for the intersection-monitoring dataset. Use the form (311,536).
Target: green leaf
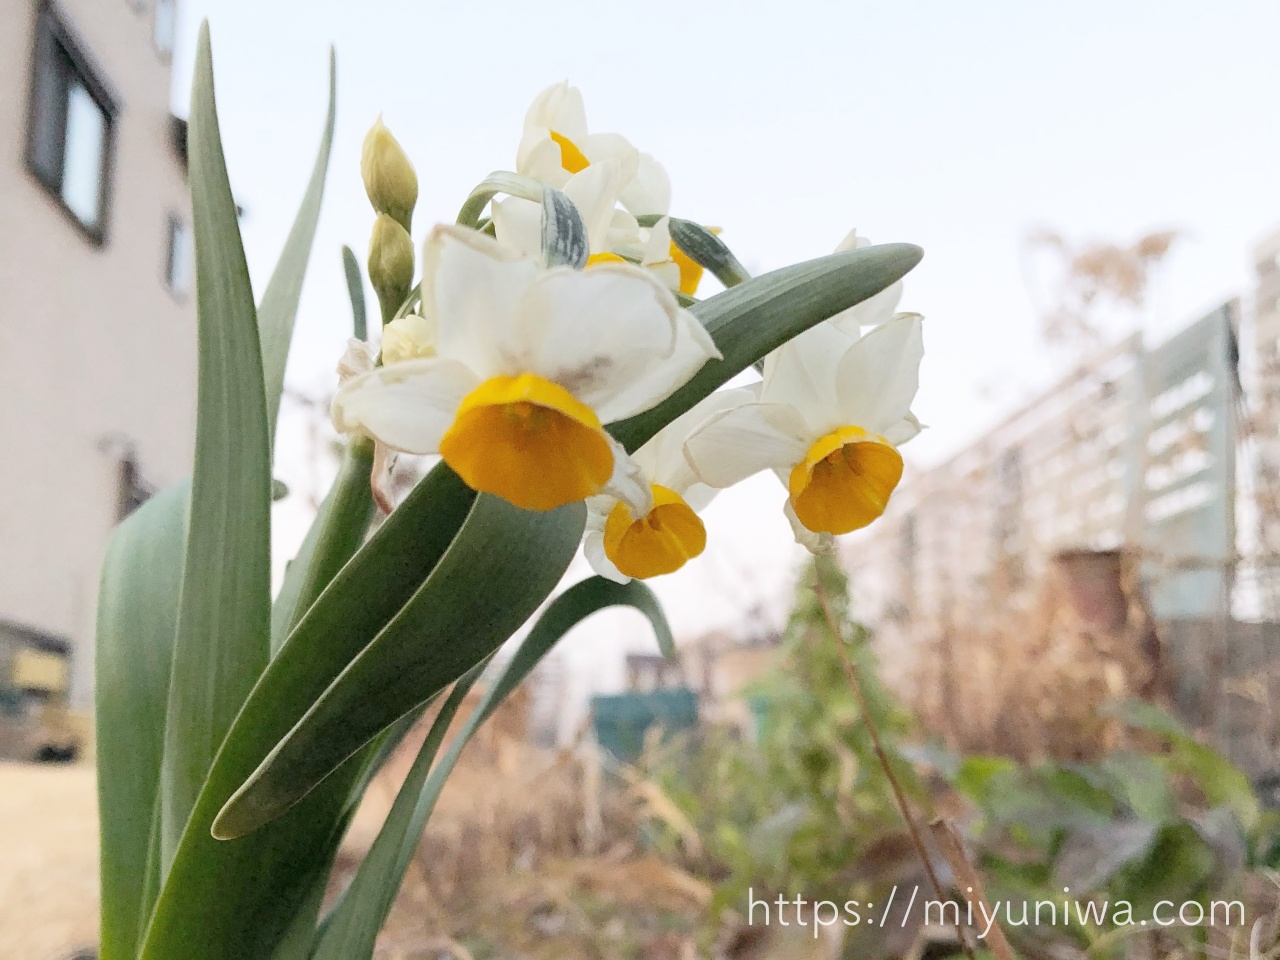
(1222,782)
(224,619)
(500,181)
(231,899)
(1090,857)
(137,621)
(1176,868)
(1145,716)
(1141,782)
(355,290)
(352,926)
(502,565)
(279,306)
(335,535)
(758,316)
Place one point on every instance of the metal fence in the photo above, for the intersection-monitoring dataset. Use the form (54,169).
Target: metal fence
(1137,449)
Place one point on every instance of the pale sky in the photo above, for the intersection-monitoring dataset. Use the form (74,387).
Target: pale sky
(956,126)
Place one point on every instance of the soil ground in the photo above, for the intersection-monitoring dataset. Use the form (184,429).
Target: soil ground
(48,860)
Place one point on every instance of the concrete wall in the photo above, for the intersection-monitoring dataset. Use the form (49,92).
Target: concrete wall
(96,355)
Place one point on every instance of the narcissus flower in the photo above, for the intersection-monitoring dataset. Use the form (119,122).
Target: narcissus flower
(621,543)
(613,234)
(529,365)
(556,144)
(831,411)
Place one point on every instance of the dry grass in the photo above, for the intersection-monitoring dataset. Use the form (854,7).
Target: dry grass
(1032,683)
(48,860)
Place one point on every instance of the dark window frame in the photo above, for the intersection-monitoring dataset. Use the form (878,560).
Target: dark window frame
(58,56)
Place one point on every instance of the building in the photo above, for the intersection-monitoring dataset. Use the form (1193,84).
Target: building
(1265,392)
(97,316)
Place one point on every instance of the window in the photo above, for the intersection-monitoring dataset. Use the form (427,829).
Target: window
(71,135)
(179,257)
(166,26)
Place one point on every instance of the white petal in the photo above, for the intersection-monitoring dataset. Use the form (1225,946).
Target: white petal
(815,543)
(540,158)
(594,332)
(593,550)
(594,191)
(629,483)
(650,246)
(878,378)
(656,243)
(518,223)
(665,375)
(559,107)
(407,406)
(699,496)
(471,286)
(611,146)
(667,272)
(852,242)
(802,373)
(625,235)
(731,446)
(905,429)
(663,459)
(650,190)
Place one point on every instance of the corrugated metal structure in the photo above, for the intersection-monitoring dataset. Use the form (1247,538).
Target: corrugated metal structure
(1136,450)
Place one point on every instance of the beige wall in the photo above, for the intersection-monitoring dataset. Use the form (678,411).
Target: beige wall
(95,353)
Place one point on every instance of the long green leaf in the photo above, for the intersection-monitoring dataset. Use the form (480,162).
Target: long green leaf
(352,926)
(227,899)
(279,307)
(355,291)
(503,564)
(224,619)
(759,315)
(137,621)
(335,535)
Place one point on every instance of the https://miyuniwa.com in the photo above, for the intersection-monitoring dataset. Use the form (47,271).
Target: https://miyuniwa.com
(982,917)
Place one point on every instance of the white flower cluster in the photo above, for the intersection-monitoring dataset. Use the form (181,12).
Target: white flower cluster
(511,371)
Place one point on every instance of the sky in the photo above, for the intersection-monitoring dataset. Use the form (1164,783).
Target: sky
(959,127)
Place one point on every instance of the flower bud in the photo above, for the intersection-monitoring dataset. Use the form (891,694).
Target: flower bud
(408,338)
(389,178)
(390,264)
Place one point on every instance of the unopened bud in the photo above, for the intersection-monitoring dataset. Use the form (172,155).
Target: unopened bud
(390,264)
(389,178)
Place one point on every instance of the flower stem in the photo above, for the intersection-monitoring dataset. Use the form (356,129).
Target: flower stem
(855,684)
